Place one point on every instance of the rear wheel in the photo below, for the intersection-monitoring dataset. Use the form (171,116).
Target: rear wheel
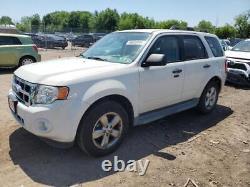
(209,98)
(103,128)
(25,61)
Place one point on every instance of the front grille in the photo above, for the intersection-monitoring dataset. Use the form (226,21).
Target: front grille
(237,66)
(24,90)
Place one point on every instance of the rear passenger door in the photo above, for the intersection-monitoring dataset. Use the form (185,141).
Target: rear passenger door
(10,50)
(196,65)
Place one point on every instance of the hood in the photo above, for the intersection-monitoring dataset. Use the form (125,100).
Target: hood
(62,72)
(238,54)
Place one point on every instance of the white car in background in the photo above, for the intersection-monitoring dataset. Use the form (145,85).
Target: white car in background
(127,78)
(238,63)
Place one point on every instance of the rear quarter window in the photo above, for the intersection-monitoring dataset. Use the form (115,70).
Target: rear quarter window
(214,46)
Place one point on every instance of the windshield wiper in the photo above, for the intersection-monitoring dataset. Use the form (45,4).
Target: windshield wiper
(96,58)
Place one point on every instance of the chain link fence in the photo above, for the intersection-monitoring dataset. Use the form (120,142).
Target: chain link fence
(64,38)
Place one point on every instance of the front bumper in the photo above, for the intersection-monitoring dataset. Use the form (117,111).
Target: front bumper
(55,121)
(239,79)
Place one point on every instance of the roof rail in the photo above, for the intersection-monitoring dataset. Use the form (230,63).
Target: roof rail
(174,27)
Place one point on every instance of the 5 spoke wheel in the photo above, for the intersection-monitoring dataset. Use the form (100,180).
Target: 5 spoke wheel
(103,128)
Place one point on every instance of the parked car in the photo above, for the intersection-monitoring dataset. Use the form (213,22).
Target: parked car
(17,50)
(239,63)
(98,36)
(225,45)
(49,41)
(85,40)
(234,41)
(127,78)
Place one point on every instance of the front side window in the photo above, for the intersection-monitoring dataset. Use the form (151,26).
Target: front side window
(215,46)
(193,48)
(169,46)
(8,40)
(118,47)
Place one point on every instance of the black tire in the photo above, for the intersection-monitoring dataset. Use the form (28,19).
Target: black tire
(63,48)
(90,121)
(203,107)
(26,60)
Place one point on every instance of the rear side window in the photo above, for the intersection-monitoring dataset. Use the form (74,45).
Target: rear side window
(8,40)
(214,46)
(193,48)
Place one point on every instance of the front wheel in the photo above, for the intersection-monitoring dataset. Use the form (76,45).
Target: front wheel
(209,98)
(103,128)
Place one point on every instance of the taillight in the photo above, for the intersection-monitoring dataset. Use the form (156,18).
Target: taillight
(35,48)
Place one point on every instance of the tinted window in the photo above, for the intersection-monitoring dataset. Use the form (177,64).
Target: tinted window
(214,46)
(88,36)
(193,48)
(7,40)
(169,46)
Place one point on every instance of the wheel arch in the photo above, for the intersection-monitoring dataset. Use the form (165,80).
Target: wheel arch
(27,56)
(216,79)
(122,100)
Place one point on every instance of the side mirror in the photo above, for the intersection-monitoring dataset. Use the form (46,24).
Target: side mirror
(155,60)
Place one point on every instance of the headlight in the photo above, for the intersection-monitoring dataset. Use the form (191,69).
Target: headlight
(48,94)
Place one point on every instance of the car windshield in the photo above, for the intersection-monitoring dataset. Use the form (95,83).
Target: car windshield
(118,47)
(243,46)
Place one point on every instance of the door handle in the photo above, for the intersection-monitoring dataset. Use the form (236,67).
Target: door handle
(177,71)
(206,66)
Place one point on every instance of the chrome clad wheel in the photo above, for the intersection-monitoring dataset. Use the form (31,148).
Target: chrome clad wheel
(211,97)
(107,130)
(103,128)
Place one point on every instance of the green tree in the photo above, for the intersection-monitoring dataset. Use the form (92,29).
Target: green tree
(35,22)
(56,21)
(170,23)
(6,20)
(25,24)
(205,26)
(226,31)
(134,21)
(107,20)
(242,25)
(80,20)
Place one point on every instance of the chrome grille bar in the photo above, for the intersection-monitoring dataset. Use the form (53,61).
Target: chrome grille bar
(24,90)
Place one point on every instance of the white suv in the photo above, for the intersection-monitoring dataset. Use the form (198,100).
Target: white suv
(127,78)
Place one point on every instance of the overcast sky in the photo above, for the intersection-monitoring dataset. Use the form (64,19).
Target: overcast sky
(218,12)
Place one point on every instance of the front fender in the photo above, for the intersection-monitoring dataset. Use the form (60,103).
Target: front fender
(105,88)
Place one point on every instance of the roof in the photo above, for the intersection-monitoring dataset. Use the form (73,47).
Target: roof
(159,31)
(14,35)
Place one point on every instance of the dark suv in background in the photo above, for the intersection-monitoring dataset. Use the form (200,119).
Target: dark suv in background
(49,41)
(85,40)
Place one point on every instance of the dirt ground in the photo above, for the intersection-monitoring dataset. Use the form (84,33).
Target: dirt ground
(211,150)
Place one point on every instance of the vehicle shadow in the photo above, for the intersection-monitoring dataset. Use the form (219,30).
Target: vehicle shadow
(4,71)
(237,86)
(56,167)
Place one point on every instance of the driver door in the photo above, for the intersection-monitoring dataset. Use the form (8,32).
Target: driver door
(161,86)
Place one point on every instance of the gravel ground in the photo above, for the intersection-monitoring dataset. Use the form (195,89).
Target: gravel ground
(211,150)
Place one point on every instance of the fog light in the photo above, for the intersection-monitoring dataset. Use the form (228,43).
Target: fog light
(42,126)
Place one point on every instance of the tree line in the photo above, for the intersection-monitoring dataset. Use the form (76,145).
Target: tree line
(110,20)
